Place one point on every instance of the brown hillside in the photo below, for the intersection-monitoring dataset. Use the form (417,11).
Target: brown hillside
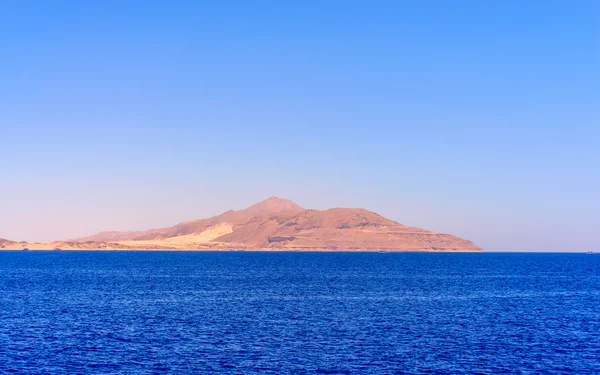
(275,224)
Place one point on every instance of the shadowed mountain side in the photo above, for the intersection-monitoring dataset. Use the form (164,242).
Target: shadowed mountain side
(274,224)
(339,229)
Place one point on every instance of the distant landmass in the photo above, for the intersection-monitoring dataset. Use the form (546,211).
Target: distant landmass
(273,224)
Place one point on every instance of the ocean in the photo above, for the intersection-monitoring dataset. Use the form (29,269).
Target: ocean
(299,313)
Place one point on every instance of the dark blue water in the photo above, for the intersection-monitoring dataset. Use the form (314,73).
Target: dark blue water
(283,313)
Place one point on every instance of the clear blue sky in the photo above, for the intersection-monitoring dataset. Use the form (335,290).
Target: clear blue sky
(476,118)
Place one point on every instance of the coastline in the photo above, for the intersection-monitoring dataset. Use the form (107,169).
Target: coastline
(264,250)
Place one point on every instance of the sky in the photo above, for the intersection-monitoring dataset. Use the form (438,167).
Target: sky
(475,118)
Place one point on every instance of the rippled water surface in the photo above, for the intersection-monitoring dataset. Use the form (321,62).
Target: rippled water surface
(283,313)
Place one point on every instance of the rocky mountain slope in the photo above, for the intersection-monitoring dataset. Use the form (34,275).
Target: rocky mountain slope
(274,224)
(4,243)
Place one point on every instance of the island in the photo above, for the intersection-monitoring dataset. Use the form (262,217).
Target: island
(274,224)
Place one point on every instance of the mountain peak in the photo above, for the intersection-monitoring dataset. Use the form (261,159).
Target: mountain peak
(273,205)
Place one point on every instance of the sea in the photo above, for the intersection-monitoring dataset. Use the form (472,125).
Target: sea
(236,312)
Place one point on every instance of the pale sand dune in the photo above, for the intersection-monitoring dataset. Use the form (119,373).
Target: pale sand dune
(190,239)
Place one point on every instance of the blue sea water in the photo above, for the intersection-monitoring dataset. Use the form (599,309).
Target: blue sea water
(299,313)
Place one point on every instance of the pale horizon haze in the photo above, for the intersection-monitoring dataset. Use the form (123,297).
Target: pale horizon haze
(478,119)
